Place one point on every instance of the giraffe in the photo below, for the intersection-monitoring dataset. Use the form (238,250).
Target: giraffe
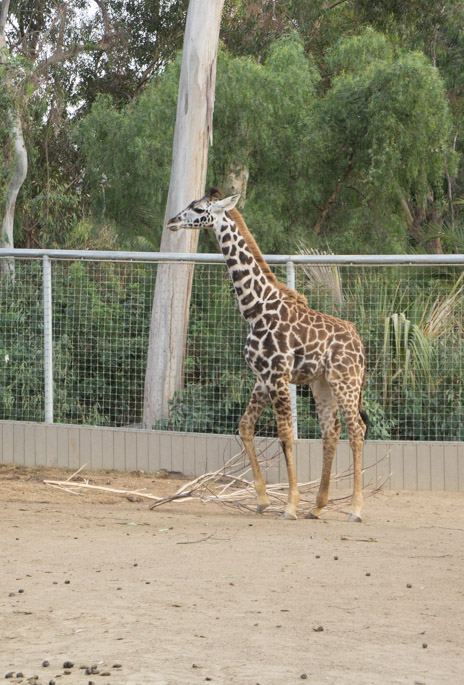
(287,343)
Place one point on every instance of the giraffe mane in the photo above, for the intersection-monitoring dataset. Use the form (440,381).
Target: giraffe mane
(257,254)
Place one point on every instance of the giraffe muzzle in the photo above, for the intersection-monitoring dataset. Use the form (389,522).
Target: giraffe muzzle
(174,225)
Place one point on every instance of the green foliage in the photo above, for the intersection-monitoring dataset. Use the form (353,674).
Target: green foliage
(128,158)
(21,353)
(128,152)
(382,124)
(310,95)
(218,383)
(415,336)
(100,338)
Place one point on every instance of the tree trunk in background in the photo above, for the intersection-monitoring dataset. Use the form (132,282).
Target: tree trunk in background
(18,161)
(19,164)
(192,135)
(237,183)
(333,197)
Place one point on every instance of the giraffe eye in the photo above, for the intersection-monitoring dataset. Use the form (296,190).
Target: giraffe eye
(198,210)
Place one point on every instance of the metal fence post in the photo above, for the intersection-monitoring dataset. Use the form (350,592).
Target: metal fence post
(48,339)
(290,268)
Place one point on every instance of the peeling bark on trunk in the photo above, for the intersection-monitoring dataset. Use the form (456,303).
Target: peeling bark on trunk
(18,162)
(193,133)
(20,171)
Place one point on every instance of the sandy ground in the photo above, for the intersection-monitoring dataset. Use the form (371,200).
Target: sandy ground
(190,593)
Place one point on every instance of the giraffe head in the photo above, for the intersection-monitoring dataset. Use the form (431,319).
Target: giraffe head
(203,213)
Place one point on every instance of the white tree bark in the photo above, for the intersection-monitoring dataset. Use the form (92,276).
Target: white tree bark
(4,7)
(193,133)
(18,161)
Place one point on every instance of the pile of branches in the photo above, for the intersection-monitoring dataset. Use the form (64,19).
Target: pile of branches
(230,486)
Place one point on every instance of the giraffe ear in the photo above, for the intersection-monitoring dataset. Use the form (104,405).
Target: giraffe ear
(228,203)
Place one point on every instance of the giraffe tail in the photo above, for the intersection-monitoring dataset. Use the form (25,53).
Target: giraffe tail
(362,413)
(365,418)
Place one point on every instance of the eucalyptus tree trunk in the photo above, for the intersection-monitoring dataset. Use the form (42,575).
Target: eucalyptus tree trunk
(18,175)
(18,163)
(193,133)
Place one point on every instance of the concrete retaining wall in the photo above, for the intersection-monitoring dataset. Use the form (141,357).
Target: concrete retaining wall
(408,466)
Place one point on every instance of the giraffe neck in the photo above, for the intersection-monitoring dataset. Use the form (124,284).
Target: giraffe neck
(252,284)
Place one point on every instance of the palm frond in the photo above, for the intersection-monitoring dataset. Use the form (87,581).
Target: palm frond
(322,275)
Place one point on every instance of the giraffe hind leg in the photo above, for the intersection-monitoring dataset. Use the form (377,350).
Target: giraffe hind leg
(280,398)
(327,411)
(258,402)
(356,425)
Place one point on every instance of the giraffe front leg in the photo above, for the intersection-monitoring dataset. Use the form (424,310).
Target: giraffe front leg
(293,492)
(258,402)
(280,398)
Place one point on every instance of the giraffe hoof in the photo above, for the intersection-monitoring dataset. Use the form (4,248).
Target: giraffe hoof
(261,507)
(310,515)
(354,518)
(287,515)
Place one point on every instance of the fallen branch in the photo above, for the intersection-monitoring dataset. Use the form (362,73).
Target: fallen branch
(61,484)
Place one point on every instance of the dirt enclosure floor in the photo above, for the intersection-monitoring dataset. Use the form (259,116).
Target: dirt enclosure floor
(189,592)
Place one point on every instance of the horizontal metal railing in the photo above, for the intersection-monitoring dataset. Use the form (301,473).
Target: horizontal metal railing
(217,258)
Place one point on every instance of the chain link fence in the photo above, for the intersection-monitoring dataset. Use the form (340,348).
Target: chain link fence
(410,317)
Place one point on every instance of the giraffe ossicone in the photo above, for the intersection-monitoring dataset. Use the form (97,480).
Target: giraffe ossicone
(288,343)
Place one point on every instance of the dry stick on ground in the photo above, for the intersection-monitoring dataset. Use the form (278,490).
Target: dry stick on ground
(62,483)
(225,488)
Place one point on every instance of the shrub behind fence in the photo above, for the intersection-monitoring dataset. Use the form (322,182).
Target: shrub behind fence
(410,317)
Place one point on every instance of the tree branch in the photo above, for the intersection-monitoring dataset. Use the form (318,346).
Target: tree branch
(317,23)
(146,75)
(60,55)
(57,57)
(331,7)
(105,16)
(61,11)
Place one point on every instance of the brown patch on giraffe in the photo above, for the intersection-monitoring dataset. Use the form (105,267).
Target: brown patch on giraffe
(281,340)
(269,344)
(253,312)
(272,306)
(239,275)
(248,299)
(253,344)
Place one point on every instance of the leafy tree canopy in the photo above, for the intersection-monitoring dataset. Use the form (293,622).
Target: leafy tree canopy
(344,116)
(372,145)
